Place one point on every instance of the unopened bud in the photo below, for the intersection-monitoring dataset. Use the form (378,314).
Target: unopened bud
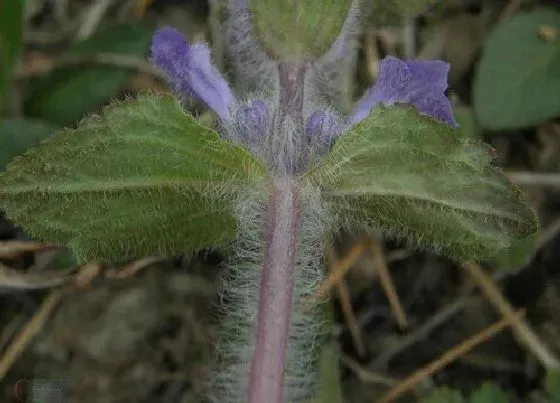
(298,29)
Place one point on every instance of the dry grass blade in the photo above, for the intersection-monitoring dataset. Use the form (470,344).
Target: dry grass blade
(137,64)
(350,318)
(133,268)
(346,305)
(539,179)
(81,280)
(521,329)
(16,279)
(15,249)
(387,284)
(338,271)
(87,274)
(449,357)
(29,331)
(141,7)
(93,17)
(421,333)
(363,374)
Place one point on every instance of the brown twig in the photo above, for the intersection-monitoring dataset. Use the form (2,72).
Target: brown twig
(451,355)
(16,279)
(92,18)
(510,9)
(346,304)
(105,59)
(350,318)
(133,268)
(521,329)
(363,374)
(371,55)
(540,179)
(387,284)
(549,233)
(67,284)
(29,331)
(142,7)
(14,249)
(338,271)
(442,316)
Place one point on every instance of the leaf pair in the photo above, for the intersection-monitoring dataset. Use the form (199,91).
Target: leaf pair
(146,178)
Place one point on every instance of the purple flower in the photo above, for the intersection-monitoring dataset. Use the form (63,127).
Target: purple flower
(190,70)
(419,83)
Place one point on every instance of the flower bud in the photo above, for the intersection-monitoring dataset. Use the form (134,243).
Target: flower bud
(253,122)
(298,29)
(321,129)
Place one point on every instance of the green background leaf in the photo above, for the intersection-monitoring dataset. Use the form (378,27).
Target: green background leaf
(394,12)
(444,395)
(145,178)
(465,118)
(329,389)
(489,393)
(552,386)
(11,20)
(416,178)
(517,82)
(67,94)
(518,254)
(18,134)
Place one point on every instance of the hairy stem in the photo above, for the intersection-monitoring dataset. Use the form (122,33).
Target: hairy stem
(266,382)
(275,299)
(288,129)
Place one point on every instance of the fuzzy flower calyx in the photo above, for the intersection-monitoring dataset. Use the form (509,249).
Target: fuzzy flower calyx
(191,73)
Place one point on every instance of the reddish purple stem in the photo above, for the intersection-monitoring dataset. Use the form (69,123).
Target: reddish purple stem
(275,300)
(277,276)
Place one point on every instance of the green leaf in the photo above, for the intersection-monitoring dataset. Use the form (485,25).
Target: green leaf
(552,386)
(11,21)
(468,126)
(489,393)
(144,179)
(517,81)
(68,93)
(62,260)
(416,178)
(18,134)
(518,254)
(394,12)
(329,389)
(444,395)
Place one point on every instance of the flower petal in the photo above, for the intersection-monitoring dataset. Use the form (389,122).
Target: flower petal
(190,70)
(419,83)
